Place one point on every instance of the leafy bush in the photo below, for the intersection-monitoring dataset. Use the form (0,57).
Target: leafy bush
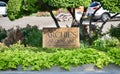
(14,8)
(113,42)
(114,54)
(68,3)
(105,44)
(99,44)
(19,8)
(115,32)
(33,36)
(3,34)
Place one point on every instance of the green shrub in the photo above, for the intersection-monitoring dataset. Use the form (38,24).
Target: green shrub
(99,44)
(115,32)
(105,44)
(20,8)
(3,34)
(114,54)
(33,36)
(113,42)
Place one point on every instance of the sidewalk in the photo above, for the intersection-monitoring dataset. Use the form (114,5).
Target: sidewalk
(84,69)
(37,72)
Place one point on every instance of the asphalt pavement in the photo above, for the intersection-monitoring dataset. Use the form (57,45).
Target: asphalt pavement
(37,72)
(42,22)
(38,21)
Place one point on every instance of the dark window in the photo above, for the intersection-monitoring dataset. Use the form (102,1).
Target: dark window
(2,4)
(94,4)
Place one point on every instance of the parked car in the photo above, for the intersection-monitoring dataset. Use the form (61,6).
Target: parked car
(101,14)
(3,9)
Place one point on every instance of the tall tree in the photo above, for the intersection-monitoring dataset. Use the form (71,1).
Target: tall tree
(19,8)
(70,5)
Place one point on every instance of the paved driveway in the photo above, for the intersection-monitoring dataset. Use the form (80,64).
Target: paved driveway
(39,21)
(37,72)
(44,22)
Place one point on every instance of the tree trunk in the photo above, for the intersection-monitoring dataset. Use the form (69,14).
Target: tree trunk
(51,13)
(54,18)
(114,15)
(74,21)
(91,39)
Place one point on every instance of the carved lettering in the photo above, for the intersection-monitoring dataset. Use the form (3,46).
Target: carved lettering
(61,37)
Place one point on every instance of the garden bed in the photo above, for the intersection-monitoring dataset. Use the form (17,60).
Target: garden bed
(18,57)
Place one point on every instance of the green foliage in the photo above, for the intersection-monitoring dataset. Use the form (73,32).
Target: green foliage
(30,6)
(99,44)
(111,5)
(33,58)
(19,8)
(33,36)
(114,54)
(3,34)
(14,9)
(18,55)
(68,3)
(105,44)
(3,47)
(113,42)
(115,32)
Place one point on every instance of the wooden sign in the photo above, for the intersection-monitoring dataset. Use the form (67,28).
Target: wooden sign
(61,37)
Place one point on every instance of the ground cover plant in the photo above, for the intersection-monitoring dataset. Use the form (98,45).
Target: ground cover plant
(34,58)
(102,52)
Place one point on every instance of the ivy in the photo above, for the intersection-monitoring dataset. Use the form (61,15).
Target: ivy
(34,58)
(114,54)
(30,60)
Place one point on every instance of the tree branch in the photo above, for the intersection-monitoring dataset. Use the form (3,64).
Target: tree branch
(114,15)
(51,13)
